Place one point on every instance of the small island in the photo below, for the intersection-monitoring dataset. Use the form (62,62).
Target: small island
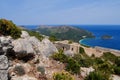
(106,37)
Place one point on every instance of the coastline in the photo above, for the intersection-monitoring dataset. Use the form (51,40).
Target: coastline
(100,47)
(83,44)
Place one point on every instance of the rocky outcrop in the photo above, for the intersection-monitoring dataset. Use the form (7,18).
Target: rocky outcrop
(22,47)
(47,48)
(3,68)
(24,34)
(5,45)
(31,45)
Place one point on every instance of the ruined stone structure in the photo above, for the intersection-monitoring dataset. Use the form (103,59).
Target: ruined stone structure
(66,46)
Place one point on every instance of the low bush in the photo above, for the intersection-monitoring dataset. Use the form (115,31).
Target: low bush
(73,66)
(36,34)
(60,56)
(117,61)
(95,76)
(117,70)
(109,57)
(62,76)
(8,28)
(81,50)
(19,70)
(41,69)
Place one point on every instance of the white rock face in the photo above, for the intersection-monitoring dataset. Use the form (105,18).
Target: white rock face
(22,47)
(47,48)
(115,77)
(25,77)
(3,75)
(69,53)
(24,34)
(31,45)
(3,62)
(85,71)
(3,67)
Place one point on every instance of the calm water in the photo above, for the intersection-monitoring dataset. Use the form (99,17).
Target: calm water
(98,31)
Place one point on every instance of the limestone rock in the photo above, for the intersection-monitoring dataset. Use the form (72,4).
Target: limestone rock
(24,34)
(69,53)
(85,71)
(3,75)
(22,47)
(3,67)
(47,48)
(3,62)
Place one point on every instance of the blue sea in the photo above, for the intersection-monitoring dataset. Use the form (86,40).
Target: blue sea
(98,31)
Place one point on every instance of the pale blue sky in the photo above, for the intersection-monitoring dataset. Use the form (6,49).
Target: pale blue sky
(27,12)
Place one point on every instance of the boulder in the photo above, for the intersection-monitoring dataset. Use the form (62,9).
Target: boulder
(24,34)
(69,53)
(86,71)
(47,48)
(22,47)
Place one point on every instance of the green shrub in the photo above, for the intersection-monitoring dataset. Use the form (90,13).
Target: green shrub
(81,50)
(117,61)
(36,34)
(52,38)
(19,70)
(109,57)
(62,76)
(70,42)
(73,66)
(85,62)
(95,76)
(9,28)
(98,61)
(60,56)
(41,69)
(117,70)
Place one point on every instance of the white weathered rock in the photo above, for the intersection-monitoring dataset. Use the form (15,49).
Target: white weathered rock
(25,77)
(47,48)
(22,47)
(115,77)
(85,71)
(69,53)
(3,67)
(3,75)
(4,39)
(3,62)
(24,34)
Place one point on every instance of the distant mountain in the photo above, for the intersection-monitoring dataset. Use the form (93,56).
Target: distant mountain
(65,32)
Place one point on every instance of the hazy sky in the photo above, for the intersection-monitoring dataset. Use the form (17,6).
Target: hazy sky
(27,12)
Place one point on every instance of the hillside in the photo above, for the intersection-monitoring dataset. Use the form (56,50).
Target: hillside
(65,32)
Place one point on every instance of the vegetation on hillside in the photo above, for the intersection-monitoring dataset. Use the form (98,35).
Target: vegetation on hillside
(62,76)
(36,34)
(8,28)
(65,32)
(104,66)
